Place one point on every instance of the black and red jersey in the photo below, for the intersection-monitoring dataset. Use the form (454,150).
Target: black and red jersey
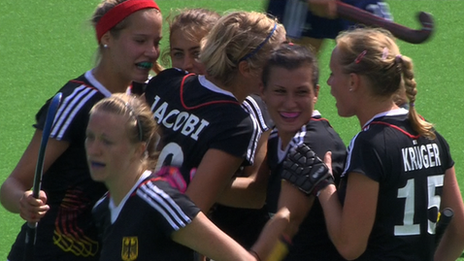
(67,232)
(195,115)
(312,241)
(140,226)
(410,170)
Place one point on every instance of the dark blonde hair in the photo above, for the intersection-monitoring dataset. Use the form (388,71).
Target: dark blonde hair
(249,36)
(195,23)
(140,126)
(291,57)
(373,52)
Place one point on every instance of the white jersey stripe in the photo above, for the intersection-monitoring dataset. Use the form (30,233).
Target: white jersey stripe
(259,126)
(252,107)
(164,204)
(251,150)
(253,142)
(274,133)
(76,106)
(69,108)
(64,109)
(299,137)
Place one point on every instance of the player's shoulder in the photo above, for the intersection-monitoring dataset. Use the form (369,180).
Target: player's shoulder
(273,136)
(167,81)
(317,123)
(172,72)
(166,76)
(83,89)
(440,138)
(223,110)
(158,196)
(393,125)
(156,191)
(78,97)
(257,109)
(378,137)
(255,102)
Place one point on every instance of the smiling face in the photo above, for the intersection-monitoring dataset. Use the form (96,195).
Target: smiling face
(110,153)
(339,83)
(135,48)
(290,97)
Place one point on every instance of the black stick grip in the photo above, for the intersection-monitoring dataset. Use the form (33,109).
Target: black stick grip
(444,220)
(30,241)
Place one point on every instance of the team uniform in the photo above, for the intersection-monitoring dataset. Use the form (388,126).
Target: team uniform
(140,227)
(67,232)
(300,22)
(242,224)
(195,116)
(257,110)
(312,241)
(410,171)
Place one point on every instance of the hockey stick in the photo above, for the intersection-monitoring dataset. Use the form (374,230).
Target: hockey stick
(443,221)
(406,34)
(32,227)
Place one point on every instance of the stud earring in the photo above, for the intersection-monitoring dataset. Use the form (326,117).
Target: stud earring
(105,46)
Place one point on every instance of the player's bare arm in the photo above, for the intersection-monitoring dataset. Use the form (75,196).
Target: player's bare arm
(204,237)
(249,191)
(323,8)
(211,178)
(350,226)
(15,188)
(452,243)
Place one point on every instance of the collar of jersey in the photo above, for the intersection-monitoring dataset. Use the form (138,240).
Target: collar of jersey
(115,210)
(395,112)
(89,76)
(212,87)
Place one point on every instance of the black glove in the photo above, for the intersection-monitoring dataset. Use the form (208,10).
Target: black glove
(304,169)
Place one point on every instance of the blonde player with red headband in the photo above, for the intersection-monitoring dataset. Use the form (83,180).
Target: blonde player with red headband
(128,34)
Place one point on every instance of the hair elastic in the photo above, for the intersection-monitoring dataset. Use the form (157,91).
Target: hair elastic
(119,13)
(360,56)
(250,54)
(399,58)
(384,53)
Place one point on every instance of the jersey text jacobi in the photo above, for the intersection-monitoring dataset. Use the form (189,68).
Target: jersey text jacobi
(188,124)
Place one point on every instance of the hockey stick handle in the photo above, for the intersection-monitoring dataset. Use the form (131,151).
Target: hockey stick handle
(32,227)
(404,33)
(52,109)
(446,215)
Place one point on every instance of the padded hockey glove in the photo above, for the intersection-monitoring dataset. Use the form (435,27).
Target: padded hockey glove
(304,169)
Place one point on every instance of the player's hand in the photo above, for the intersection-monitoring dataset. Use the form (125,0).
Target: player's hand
(174,177)
(306,171)
(328,161)
(323,8)
(33,209)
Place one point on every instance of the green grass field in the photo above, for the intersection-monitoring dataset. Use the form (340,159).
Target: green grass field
(45,43)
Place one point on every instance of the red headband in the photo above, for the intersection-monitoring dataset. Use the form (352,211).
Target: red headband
(119,12)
